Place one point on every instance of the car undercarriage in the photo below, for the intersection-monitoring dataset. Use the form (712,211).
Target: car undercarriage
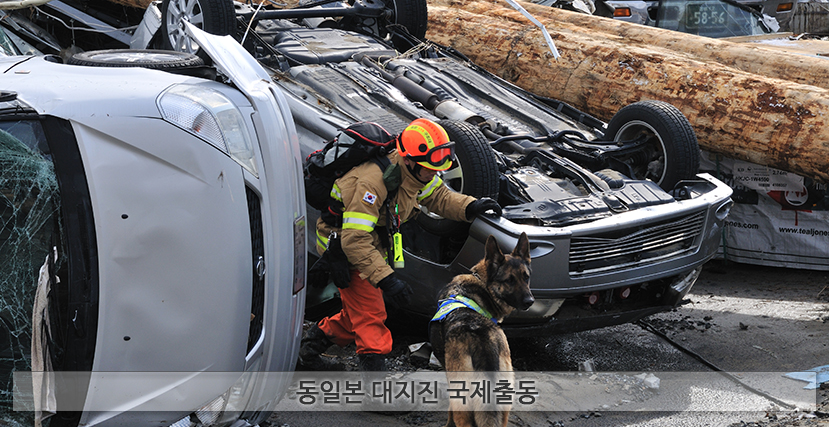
(618,218)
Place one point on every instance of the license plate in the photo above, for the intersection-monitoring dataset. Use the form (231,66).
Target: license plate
(705,15)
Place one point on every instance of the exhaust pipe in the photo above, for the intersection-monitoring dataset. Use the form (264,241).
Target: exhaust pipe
(415,88)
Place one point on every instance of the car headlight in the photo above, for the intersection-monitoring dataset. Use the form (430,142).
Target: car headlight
(211,116)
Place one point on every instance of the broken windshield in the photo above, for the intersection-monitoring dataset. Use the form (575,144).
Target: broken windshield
(29,211)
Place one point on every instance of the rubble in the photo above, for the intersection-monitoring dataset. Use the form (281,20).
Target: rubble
(649,380)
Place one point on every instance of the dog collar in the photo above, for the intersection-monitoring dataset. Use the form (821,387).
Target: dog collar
(454,302)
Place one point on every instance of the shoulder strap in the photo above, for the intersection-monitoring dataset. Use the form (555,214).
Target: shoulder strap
(391,179)
(383,162)
(391,173)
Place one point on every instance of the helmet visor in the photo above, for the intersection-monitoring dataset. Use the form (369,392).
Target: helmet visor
(438,158)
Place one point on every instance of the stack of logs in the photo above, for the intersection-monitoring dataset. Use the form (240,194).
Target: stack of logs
(744,101)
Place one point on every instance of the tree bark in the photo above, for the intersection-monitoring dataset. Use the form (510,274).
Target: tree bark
(773,122)
(140,4)
(748,57)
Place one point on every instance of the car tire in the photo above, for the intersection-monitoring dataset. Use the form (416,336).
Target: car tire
(166,60)
(474,173)
(411,14)
(213,16)
(674,153)
(133,58)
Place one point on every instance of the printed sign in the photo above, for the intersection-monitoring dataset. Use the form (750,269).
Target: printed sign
(779,218)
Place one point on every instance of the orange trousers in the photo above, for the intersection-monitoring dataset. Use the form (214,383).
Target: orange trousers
(361,320)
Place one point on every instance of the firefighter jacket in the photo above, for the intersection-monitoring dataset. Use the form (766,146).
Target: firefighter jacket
(363,192)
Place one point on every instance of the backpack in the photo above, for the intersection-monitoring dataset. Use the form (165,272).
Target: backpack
(354,145)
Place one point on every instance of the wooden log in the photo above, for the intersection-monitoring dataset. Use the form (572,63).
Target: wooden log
(139,4)
(752,58)
(773,122)
(142,4)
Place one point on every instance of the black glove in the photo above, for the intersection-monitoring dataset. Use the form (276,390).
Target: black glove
(340,273)
(333,262)
(397,292)
(482,205)
(319,272)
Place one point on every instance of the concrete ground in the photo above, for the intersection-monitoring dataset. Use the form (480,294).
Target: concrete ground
(756,323)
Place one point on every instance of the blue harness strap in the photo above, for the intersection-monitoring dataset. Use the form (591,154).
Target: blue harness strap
(454,302)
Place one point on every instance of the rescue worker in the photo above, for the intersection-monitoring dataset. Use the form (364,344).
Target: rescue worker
(423,149)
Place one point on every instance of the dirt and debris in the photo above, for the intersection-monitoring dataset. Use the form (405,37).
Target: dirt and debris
(399,360)
(740,318)
(818,418)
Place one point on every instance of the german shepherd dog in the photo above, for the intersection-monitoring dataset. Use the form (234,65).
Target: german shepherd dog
(467,339)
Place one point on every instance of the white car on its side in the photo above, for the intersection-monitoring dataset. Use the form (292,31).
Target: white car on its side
(167,213)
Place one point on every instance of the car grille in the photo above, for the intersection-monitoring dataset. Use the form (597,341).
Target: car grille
(257,310)
(635,246)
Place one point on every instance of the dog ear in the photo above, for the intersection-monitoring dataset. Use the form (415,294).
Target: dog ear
(522,248)
(493,252)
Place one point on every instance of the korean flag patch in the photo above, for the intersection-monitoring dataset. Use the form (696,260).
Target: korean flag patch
(369,198)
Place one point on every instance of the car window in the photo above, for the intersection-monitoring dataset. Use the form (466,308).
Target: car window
(709,18)
(6,46)
(10,43)
(29,216)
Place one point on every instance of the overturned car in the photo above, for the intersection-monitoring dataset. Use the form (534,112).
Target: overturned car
(619,221)
(152,244)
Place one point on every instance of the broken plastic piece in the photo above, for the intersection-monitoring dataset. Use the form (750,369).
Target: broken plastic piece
(814,376)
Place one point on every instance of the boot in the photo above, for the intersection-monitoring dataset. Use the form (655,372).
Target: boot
(311,347)
(371,362)
(369,365)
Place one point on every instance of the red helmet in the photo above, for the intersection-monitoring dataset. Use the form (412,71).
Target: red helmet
(427,143)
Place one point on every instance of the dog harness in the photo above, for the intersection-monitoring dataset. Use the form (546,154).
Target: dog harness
(455,302)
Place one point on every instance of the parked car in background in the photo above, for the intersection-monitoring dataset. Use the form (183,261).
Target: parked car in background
(158,219)
(710,18)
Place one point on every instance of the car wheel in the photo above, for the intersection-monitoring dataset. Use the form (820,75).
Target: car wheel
(474,173)
(213,16)
(672,153)
(411,14)
(154,59)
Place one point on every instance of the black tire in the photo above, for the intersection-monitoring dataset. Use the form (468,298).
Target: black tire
(474,173)
(153,59)
(213,16)
(673,153)
(412,14)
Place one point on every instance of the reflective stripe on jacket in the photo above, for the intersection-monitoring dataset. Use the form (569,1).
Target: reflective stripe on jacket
(362,193)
